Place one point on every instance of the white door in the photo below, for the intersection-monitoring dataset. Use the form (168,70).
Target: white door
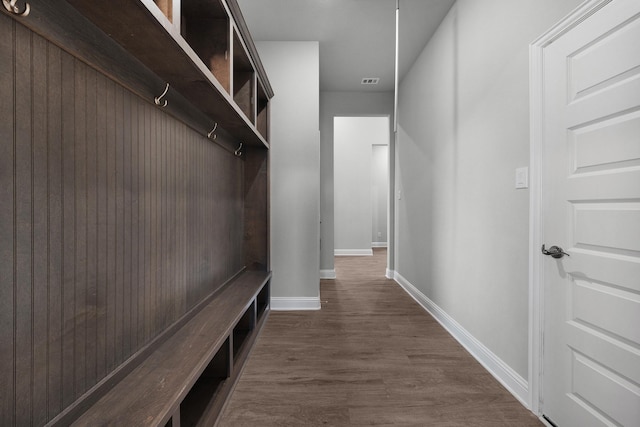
(591,208)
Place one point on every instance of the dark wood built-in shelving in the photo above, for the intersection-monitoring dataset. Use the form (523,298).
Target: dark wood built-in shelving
(262,302)
(136,231)
(243,330)
(243,79)
(189,370)
(136,27)
(262,112)
(204,392)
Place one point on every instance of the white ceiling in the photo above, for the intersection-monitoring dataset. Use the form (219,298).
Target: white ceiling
(357,37)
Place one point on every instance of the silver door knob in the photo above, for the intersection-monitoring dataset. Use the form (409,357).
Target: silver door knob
(554,251)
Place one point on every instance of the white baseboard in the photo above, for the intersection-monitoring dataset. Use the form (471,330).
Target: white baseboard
(327,274)
(353,252)
(378,244)
(295,303)
(390,274)
(545,422)
(509,378)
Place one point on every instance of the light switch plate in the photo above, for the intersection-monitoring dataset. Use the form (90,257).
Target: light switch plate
(522,177)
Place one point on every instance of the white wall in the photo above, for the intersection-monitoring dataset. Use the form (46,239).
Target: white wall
(336,104)
(353,174)
(379,194)
(293,70)
(461,226)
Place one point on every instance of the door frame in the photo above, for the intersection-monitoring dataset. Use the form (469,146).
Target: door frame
(536,195)
(389,271)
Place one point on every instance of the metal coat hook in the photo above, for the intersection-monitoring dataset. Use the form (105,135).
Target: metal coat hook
(159,98)
(211,133)
(238,151)
(10,5)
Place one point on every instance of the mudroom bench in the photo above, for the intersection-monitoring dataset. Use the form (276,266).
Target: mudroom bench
(188,378)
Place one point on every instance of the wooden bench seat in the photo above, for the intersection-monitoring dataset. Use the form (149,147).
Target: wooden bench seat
(187,379)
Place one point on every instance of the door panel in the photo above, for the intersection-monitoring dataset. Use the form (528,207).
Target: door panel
(622,150)
(602,267)
(609,350)
(611,216)
(604,389)
(594,303)
(605,61)
(592,210)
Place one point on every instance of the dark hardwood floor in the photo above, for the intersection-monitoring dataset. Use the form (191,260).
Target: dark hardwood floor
(371,356)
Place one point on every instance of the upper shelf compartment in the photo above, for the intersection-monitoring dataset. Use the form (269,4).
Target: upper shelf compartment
(188,43)
(243,79)
(205,26)
(166,7)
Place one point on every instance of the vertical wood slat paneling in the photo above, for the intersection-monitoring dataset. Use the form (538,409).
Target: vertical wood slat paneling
(162,229)
(40,232)
(191,223)
(118,209)
(169,259)
(185,191)
(154,285)
(7,221)
(140,120)
(110,226)
(102,228)
(68,229)
(170,220)
(91,355)
(115,219)
(165,230)
(23,281)
(80,220)
(55,247)
(126,233)
(132,153)
(146,218)
(256,208)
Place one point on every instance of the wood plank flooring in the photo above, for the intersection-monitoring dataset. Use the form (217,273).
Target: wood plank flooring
(371,356)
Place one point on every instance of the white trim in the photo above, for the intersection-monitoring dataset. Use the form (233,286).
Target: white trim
(353,252)
(378,244)
(389,274)
(295,303)
(536,96)
(509,378)
(327,274)
(536,194)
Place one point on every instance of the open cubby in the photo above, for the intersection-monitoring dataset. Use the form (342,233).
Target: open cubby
(243,329)
(166,6)
(205,26)
(202,394)
(243,79)
(262,301)
(262,113)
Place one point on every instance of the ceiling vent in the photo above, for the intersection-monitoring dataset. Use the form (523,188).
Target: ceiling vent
(370,80)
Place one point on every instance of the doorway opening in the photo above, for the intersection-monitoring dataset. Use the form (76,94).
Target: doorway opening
(361,185)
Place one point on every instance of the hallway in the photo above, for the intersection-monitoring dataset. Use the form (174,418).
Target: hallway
(371,356)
